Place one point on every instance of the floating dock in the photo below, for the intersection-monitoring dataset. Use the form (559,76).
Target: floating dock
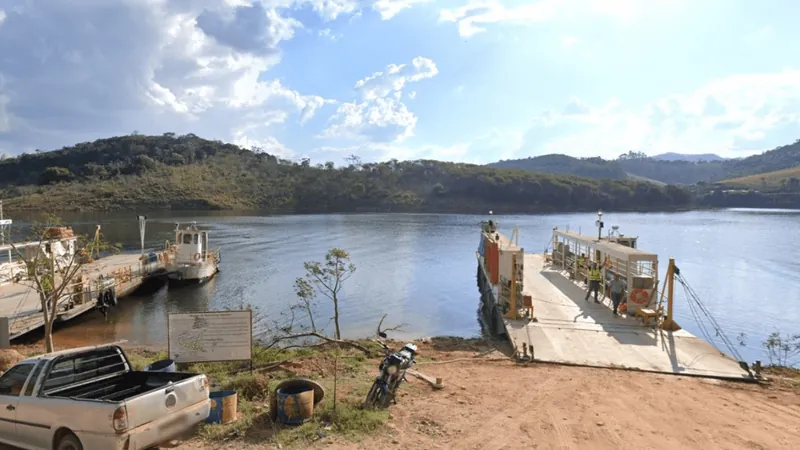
(553,322)
(21,308)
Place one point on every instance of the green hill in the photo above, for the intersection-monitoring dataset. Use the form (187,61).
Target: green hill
(675,171)
(786,180)
(187,172)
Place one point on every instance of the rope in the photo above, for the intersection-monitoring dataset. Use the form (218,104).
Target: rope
(699,310)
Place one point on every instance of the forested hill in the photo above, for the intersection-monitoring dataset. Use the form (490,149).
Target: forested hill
(675,171)
(187,172)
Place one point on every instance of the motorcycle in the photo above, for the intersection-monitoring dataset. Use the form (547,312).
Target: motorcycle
(392,373)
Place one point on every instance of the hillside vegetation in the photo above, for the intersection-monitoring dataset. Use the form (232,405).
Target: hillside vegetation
(671,156)
(787,180)
(188,172)
(667,171)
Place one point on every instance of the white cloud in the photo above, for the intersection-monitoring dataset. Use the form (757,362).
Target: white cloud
(473,17)
(331,9)
(390,8)
(476,15)
(328,33)
(2,16)
(267,145)
(380,115)
(76,70)
(731,114)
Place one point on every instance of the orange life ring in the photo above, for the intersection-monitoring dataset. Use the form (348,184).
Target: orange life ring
(197,256)
(640,296)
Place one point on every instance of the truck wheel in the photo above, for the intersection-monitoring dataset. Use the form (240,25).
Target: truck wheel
(69,442)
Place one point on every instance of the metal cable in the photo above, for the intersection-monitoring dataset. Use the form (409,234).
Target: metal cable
(694,301)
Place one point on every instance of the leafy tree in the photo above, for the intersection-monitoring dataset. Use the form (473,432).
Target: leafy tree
(327,278)
(55,276)
(782,350)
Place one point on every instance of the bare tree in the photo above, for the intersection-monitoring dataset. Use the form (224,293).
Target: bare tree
(327,278)
(299,322)
(53,275)
(354,161)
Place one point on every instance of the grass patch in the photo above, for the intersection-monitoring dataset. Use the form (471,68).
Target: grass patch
(254,424)
(785,377)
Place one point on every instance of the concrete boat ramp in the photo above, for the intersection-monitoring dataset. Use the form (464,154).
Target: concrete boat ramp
(20,306)
(570,330)
(567,329)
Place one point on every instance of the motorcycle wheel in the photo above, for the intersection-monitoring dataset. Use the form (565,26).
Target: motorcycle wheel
(374,396)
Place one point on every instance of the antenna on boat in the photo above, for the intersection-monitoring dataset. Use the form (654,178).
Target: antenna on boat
(142,220)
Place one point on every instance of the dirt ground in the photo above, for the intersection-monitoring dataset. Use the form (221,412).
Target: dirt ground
(492,403)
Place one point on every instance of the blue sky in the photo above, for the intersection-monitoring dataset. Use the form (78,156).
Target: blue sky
(457,80)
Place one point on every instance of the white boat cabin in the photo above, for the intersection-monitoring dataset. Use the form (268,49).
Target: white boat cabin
(615,254)
(191,244)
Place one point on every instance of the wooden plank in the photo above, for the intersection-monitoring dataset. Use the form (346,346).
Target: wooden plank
(436,383)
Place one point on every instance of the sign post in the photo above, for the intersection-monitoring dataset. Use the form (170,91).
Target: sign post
(210,336)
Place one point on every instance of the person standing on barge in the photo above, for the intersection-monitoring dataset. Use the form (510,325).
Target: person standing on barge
(595,276)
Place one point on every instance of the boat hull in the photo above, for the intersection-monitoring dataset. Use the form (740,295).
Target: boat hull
(194,273)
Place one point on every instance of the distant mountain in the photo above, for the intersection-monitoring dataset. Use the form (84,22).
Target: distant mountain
(596,168)
(639,166)
(687,157)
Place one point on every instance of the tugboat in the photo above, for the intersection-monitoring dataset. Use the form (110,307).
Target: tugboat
(193,261)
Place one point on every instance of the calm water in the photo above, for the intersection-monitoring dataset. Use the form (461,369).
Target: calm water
(420,269)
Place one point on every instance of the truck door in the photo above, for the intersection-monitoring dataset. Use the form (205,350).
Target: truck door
(33,421)
(11,385)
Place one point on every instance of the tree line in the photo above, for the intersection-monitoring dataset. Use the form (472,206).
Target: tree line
(188,172)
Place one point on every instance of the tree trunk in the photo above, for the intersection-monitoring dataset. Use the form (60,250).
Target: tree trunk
(48,336)
(48,323)
(336,317)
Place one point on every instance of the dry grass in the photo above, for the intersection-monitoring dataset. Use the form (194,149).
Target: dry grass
(769,180)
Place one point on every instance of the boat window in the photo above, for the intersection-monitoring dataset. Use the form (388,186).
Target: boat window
(187,238)
(195,239)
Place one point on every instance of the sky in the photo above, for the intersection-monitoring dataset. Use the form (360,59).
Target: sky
(456,80)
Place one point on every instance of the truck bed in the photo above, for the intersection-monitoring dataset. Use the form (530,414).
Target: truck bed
(120,387)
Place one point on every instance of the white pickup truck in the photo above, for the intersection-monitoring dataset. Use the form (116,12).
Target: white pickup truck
(91,398)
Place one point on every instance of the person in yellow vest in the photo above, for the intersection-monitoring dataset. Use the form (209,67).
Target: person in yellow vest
(581,263)
(595,276)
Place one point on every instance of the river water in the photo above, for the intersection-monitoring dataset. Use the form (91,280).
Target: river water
(419,269)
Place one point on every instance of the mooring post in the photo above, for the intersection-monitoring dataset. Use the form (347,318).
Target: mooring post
(5,333)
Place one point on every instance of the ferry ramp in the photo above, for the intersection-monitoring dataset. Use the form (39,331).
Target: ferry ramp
(570,330)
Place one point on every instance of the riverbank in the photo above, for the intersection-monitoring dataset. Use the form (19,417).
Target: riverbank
(490,401)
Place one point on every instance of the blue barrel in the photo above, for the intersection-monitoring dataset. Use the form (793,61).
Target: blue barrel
(165,365)
(295,404)
(223,407)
